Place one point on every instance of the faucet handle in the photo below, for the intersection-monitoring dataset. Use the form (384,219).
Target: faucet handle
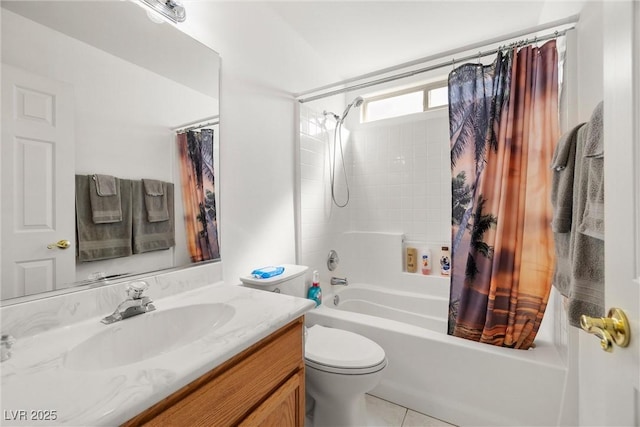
(6,342)
(135,289)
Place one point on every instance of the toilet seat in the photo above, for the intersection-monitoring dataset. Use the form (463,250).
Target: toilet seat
(342,352)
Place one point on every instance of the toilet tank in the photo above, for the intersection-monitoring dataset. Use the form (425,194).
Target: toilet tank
(291,282)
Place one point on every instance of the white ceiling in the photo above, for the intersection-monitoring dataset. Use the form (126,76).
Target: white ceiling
(359,37)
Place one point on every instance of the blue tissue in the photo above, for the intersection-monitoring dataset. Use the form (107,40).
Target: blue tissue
(266,272)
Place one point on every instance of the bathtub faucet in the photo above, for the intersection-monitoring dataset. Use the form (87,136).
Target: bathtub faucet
(339,281)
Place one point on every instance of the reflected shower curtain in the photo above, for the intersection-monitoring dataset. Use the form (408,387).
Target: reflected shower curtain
(198,194)
(503,128)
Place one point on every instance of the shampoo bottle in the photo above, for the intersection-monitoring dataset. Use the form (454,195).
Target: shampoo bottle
(425,262)
(411,260)
(315,291)
(445,261)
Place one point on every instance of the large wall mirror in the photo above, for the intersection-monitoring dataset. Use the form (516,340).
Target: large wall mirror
(91,87)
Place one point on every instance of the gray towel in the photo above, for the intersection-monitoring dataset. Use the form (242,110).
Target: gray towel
(152,236)
(592,220)
(586,254)
(563,165)
(155,200)
(107,240)
(105,199)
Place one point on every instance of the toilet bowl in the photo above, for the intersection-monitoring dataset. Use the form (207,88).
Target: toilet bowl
(341,366)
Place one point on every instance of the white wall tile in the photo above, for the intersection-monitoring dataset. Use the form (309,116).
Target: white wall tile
(399,181)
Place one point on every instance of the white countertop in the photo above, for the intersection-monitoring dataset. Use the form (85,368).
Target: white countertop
(36,383)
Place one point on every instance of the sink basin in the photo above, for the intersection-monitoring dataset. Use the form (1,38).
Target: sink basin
(147,335)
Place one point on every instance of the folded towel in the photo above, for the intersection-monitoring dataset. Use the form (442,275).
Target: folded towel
(592,220)
(586,254)
(153,187)
(563,165)
(562,196)
(155,200)
(594,144)
(105,199)
(106,185)
(152,236)
(104,240)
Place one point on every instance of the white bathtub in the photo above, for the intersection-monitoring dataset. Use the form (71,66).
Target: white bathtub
(456,380)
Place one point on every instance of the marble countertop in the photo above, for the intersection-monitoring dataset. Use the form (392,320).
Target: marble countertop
(37,384)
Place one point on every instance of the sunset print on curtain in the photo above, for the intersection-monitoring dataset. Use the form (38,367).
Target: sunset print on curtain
(198,194)
(503,129)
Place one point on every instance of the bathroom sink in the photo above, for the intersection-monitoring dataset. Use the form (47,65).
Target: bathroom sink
(147,335)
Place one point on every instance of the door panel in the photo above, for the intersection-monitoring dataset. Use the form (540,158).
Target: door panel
(37,172)
(609,382)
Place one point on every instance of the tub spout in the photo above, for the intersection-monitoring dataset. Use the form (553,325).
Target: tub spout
(339,281)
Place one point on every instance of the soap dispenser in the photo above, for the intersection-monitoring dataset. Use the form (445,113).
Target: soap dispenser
(315,292)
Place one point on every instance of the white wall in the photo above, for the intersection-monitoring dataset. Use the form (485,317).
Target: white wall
(123,119)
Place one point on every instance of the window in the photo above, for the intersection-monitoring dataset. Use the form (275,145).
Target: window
(409,101)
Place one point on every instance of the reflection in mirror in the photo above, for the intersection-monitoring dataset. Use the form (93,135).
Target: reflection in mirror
(92,87)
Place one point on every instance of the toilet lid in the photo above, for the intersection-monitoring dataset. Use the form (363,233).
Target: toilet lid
(341,349)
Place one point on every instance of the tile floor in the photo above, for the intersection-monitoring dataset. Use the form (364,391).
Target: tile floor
(391,415)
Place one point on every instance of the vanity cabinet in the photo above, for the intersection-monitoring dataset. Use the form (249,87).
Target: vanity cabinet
(261,386)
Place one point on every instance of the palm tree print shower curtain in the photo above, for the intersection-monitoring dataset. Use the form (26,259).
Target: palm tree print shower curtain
(503,121)
(198,194)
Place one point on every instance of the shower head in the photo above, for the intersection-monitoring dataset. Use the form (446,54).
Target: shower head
(355,103)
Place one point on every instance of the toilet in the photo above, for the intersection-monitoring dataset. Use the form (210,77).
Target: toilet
(340,366)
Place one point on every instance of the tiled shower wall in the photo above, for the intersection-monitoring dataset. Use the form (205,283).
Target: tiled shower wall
(321,223)
(399,179)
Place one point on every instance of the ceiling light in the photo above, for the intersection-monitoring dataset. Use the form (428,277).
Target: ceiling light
(170,9)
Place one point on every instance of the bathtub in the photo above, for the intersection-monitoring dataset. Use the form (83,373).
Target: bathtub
(453,379)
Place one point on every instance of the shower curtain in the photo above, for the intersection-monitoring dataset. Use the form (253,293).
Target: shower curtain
(503,128)
(198,194)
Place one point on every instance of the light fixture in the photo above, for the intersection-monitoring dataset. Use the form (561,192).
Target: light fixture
(170,9)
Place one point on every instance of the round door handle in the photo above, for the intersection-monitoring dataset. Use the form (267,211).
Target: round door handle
(61,244)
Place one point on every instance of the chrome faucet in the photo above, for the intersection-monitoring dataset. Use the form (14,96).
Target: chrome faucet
(6,342)
(134,304)
(339,281)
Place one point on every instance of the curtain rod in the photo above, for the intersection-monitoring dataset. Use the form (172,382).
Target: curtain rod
(453,61)
(207,121)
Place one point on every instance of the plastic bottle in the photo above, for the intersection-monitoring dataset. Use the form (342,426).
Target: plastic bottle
(412,261)
(425,261)
(315,291)
(445,261)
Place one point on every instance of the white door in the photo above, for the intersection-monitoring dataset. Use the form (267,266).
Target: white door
(609,384)
(38,203)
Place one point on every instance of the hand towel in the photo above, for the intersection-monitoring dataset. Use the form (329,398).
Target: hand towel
(155,200)
(586,293)
(105,199)
(105,240)
(563,165)
(592,220)
(152,236)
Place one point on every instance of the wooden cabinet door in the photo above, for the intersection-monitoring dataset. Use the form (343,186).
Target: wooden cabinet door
(284,408)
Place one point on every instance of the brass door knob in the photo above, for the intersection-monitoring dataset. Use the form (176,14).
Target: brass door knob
(611,329)
(61,244)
